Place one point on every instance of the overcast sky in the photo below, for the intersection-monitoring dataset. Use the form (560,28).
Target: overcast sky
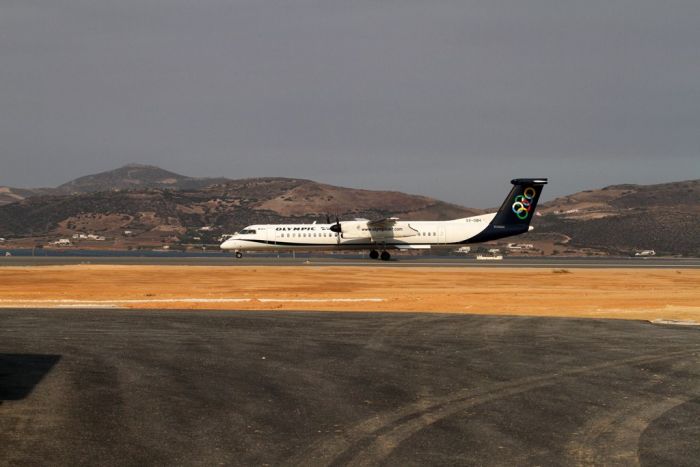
(450,99)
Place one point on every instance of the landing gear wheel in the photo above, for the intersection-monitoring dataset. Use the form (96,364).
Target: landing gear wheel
(374,254)
(385,256)
(239,255)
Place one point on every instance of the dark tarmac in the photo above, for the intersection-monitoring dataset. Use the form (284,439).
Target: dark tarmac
(122,387)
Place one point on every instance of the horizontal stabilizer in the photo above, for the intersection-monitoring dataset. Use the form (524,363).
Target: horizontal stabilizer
(529,181)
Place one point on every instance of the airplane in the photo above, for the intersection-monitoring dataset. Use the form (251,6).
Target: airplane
(380,236)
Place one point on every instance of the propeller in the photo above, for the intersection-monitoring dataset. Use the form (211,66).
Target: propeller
(337,229)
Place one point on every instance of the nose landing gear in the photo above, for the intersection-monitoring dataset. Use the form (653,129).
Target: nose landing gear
(239,255)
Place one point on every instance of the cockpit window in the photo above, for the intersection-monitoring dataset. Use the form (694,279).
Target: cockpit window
(247,231)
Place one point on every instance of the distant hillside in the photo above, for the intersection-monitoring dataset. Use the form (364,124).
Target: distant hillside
(129,177)
(135,177)
(157,205)
(12,195)
(303,198)
(227,207)
(624,218)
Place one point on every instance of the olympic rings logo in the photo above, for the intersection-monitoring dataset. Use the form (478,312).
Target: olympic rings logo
(523,203)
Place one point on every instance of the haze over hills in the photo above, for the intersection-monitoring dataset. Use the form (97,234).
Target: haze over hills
(158,206)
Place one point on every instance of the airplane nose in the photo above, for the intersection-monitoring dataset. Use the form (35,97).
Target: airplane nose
(228,245)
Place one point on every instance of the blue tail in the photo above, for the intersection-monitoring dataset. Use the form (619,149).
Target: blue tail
(516,212)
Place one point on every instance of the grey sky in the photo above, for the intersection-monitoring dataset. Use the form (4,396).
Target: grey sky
(445,98)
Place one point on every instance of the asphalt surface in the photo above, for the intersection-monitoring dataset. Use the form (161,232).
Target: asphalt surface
(113,387)
(355,260)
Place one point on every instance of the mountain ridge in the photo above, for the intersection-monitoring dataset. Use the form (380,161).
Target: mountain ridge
(163,206)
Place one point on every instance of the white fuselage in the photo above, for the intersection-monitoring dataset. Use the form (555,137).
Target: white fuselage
(358,234)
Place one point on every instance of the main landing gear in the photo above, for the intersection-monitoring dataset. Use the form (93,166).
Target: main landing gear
(385,256)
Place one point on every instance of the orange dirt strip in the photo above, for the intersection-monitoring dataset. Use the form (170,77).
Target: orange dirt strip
(608,293)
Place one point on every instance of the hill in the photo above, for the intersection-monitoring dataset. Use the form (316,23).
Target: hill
(158,206)
(154,215)
(135,177)
(623,218)
(129,177)
(12,195)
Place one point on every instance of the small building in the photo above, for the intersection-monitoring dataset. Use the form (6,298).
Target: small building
(62,242)
(520,246)
(489,257)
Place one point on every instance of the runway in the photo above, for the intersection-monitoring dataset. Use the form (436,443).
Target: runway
(354,260)
(126,387)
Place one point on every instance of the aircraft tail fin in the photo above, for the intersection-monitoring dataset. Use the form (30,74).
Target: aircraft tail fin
(516,212)
(519,207)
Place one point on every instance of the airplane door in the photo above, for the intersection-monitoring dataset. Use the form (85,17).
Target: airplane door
(441,235)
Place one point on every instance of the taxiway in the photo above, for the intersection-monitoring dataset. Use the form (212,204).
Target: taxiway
(125,387)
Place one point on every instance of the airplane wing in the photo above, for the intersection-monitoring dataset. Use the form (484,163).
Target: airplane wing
(387,221)
(377,229)
(412,247)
